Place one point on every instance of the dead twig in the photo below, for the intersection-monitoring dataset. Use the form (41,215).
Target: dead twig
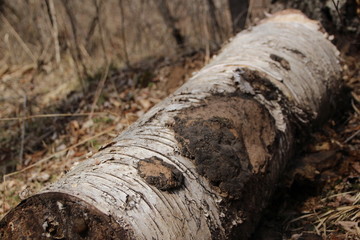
(352,136)
(18,38)
(55,33)
(91,31)
(57,115)
(76,50)
(122,30)
(101,84)
(99,89)
(355,107)
(23,125)
(336,5)
(98,6)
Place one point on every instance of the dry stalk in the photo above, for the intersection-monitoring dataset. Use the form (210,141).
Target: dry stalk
(55,33)
(91,30)
(18,38)
(98,6)
(57,115)
(23,126)
(336,5)
(207,40)
(122,30)
(76,53)
(99,90)
(101,84)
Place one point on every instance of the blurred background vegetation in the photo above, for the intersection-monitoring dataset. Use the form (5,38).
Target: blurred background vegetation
(124,31)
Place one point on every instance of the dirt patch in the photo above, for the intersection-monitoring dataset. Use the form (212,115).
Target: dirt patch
(229,139)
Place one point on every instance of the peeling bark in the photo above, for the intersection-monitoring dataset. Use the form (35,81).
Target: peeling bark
(203,163)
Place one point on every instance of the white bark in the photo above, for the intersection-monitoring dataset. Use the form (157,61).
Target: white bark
(304,67)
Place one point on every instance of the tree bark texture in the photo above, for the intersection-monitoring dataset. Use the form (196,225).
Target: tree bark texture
(203,163)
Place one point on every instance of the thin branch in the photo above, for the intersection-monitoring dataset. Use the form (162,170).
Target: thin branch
(207,38)
(56,115)
(6,5)
(336,5)
(19,39)
(55,33)
(105,74)
(78,58)
(122,30)
(352,136)
(23,126)
(98,5)
(99,89)
(91,30)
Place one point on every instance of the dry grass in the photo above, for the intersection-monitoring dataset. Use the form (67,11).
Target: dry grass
(337,213)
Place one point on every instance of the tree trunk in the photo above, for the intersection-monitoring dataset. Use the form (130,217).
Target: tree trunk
(203,163)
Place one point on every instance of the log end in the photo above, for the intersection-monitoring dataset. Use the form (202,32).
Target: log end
(60,216)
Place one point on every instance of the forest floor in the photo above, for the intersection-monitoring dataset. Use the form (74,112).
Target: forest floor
(318,197)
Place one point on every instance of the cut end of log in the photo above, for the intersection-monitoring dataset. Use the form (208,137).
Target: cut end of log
(60,216)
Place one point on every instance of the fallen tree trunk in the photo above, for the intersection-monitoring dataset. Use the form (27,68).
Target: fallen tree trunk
(203,163)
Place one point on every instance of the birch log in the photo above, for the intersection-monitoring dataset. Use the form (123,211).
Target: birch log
(203,163)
